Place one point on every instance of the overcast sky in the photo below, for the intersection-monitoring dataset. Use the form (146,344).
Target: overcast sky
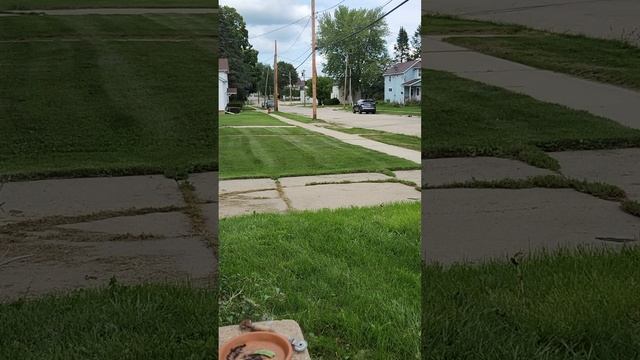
(262,16)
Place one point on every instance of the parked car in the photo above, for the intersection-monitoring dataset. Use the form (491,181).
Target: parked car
(268,104)
(365,105)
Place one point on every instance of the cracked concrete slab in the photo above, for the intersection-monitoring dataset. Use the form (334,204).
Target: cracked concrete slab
(244,185)
(620,167)
(93,264)
(206,186)
(170,224)
(480,224)
(415,176)
(334,178)
(73,197)
(437,172)
(335,196)
(251,202)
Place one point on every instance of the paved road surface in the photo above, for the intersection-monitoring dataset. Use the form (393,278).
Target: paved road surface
(611,19)
(383,122)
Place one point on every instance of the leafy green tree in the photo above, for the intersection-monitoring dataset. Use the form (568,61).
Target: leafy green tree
(263,79)
(324,85)
(284,69)
(235,46)
(401,48)
(416,43)
(367,50)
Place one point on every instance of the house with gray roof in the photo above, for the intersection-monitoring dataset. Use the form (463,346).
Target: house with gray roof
(403,82)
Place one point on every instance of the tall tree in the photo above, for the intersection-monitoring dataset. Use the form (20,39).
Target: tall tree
(367,50)
(284,69)
(234,45)
(263,79)
(323,87)
(416,43)
(401,48)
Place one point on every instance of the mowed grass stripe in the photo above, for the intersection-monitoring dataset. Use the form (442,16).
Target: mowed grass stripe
(142,104)
(254,118)
(295,152)
(83,4)
(350,277)
(101,26)
(465,117)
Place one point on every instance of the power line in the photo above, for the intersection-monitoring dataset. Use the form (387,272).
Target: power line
(371,24)
(294,22)
(298,37)
(278,29)
(360,30)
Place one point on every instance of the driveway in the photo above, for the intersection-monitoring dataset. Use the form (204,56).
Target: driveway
(390,123)
(609,19)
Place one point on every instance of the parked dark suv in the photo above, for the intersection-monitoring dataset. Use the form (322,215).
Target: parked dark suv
(365,105)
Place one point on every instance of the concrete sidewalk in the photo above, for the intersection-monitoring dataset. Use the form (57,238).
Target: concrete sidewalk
(608,19)
(248,196)
(476,225)
(392,150)
(619,167)
(612,102)
(64,234)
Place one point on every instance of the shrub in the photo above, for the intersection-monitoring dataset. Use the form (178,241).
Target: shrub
(333,101)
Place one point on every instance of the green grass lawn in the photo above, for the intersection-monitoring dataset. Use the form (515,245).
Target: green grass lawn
(276,152)
(115,322)
(406,141)
(572,305)
(249,118)
(465,117)
(165,26)
(609,61)
(69,4)
(107,107)
(384,108)
(350,277)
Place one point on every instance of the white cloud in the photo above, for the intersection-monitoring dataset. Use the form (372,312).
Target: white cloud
(269,12)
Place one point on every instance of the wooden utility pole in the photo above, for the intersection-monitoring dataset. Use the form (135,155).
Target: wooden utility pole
(266,89)
(346,66)
(314,74)
(350,88)
(304,90)
(275,77)
(290,85)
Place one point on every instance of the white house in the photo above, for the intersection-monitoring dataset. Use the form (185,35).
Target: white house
(223,84)
(335,92)
(402,82)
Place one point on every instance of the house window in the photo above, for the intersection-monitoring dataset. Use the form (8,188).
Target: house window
(390,89)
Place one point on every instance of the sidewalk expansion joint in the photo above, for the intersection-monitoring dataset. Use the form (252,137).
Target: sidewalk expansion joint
(283,196)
